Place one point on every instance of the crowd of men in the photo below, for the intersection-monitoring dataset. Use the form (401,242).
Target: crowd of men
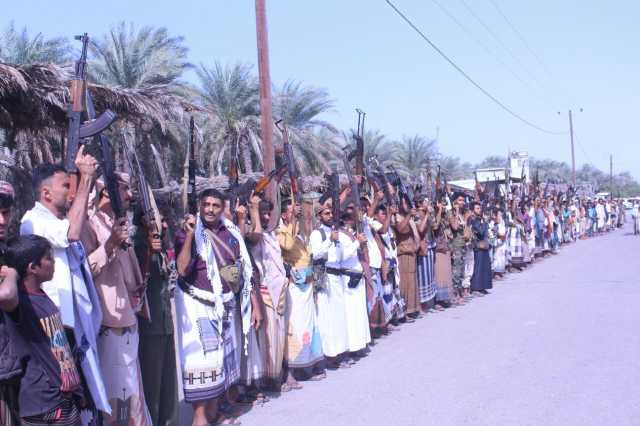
(104,327)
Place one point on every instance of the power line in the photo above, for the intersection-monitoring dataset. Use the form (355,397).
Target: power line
(502,44)
(582,148)
(465,75)
(485,47)
(521,37)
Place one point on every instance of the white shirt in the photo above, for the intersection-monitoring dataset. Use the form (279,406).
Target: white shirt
(326,249)
(349,247)
(375,257)
(41,221)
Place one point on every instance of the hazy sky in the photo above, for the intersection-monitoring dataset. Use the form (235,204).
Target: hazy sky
(366,56)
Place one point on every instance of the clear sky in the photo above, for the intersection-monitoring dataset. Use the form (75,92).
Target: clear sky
(367,57)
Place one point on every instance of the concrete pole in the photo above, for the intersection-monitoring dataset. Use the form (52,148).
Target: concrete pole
(573,152)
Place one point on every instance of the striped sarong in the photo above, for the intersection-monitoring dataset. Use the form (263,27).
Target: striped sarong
(64,414)
(426,281)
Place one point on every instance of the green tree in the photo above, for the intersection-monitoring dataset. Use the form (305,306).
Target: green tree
(413,154)
(17,47)
(232,93)
(313,139)
(151,61)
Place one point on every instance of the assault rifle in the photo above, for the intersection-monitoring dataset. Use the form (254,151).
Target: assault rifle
(240,193)
(405,191)
(355,192)
(192,197)
(235,189)
(381,178)
(145,195)
(82,124)
(108,169)
(359,137)
(334,193)
(292,167)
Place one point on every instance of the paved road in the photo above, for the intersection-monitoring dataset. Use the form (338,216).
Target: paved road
(558,344)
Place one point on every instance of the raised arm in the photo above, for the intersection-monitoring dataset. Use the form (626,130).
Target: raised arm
(8,289)
(77,215)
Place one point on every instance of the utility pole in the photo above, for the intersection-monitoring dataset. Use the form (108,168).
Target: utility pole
(611,176)
(573,153)
(266,116)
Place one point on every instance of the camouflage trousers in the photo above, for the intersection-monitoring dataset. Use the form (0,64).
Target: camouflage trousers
(457,261)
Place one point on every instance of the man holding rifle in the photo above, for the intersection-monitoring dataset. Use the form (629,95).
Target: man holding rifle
(119,282)
(62,221)
(304,346)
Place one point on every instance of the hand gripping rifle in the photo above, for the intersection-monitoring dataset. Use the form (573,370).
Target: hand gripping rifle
(383,181)
(405,192)
(82,124)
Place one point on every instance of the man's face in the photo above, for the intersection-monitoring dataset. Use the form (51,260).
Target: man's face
(381,216)
(44,271)
(5,220)
(287,214)
(211,210)
(55,190)
(326,217)
(126,195)
(265,218)
(459,202)
(477,210)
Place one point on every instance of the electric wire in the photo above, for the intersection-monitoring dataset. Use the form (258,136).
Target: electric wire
(468,78)
(486,48)
(517,60)
(520,36)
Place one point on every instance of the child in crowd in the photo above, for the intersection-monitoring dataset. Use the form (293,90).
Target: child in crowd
(50,388)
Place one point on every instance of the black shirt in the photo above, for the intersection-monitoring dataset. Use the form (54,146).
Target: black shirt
(50,372)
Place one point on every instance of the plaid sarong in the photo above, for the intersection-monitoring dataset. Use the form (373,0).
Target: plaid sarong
(426,282)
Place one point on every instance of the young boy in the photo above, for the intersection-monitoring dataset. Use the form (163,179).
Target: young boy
(50,387)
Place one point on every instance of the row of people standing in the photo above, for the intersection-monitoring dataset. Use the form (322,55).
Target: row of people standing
(239,303)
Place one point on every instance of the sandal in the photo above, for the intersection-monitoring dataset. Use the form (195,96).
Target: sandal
(285,388)
(295,385)
(318,377)
(223,419)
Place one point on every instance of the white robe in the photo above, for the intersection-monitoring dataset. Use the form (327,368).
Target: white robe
(355,298)
(331,311)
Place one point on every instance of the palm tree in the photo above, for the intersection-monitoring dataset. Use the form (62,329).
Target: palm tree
(148,60)
(414,154)
(138,59)
(312,139)
(18,48)
(232,93)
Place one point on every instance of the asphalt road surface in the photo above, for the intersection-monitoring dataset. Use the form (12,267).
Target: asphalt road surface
(558,344)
